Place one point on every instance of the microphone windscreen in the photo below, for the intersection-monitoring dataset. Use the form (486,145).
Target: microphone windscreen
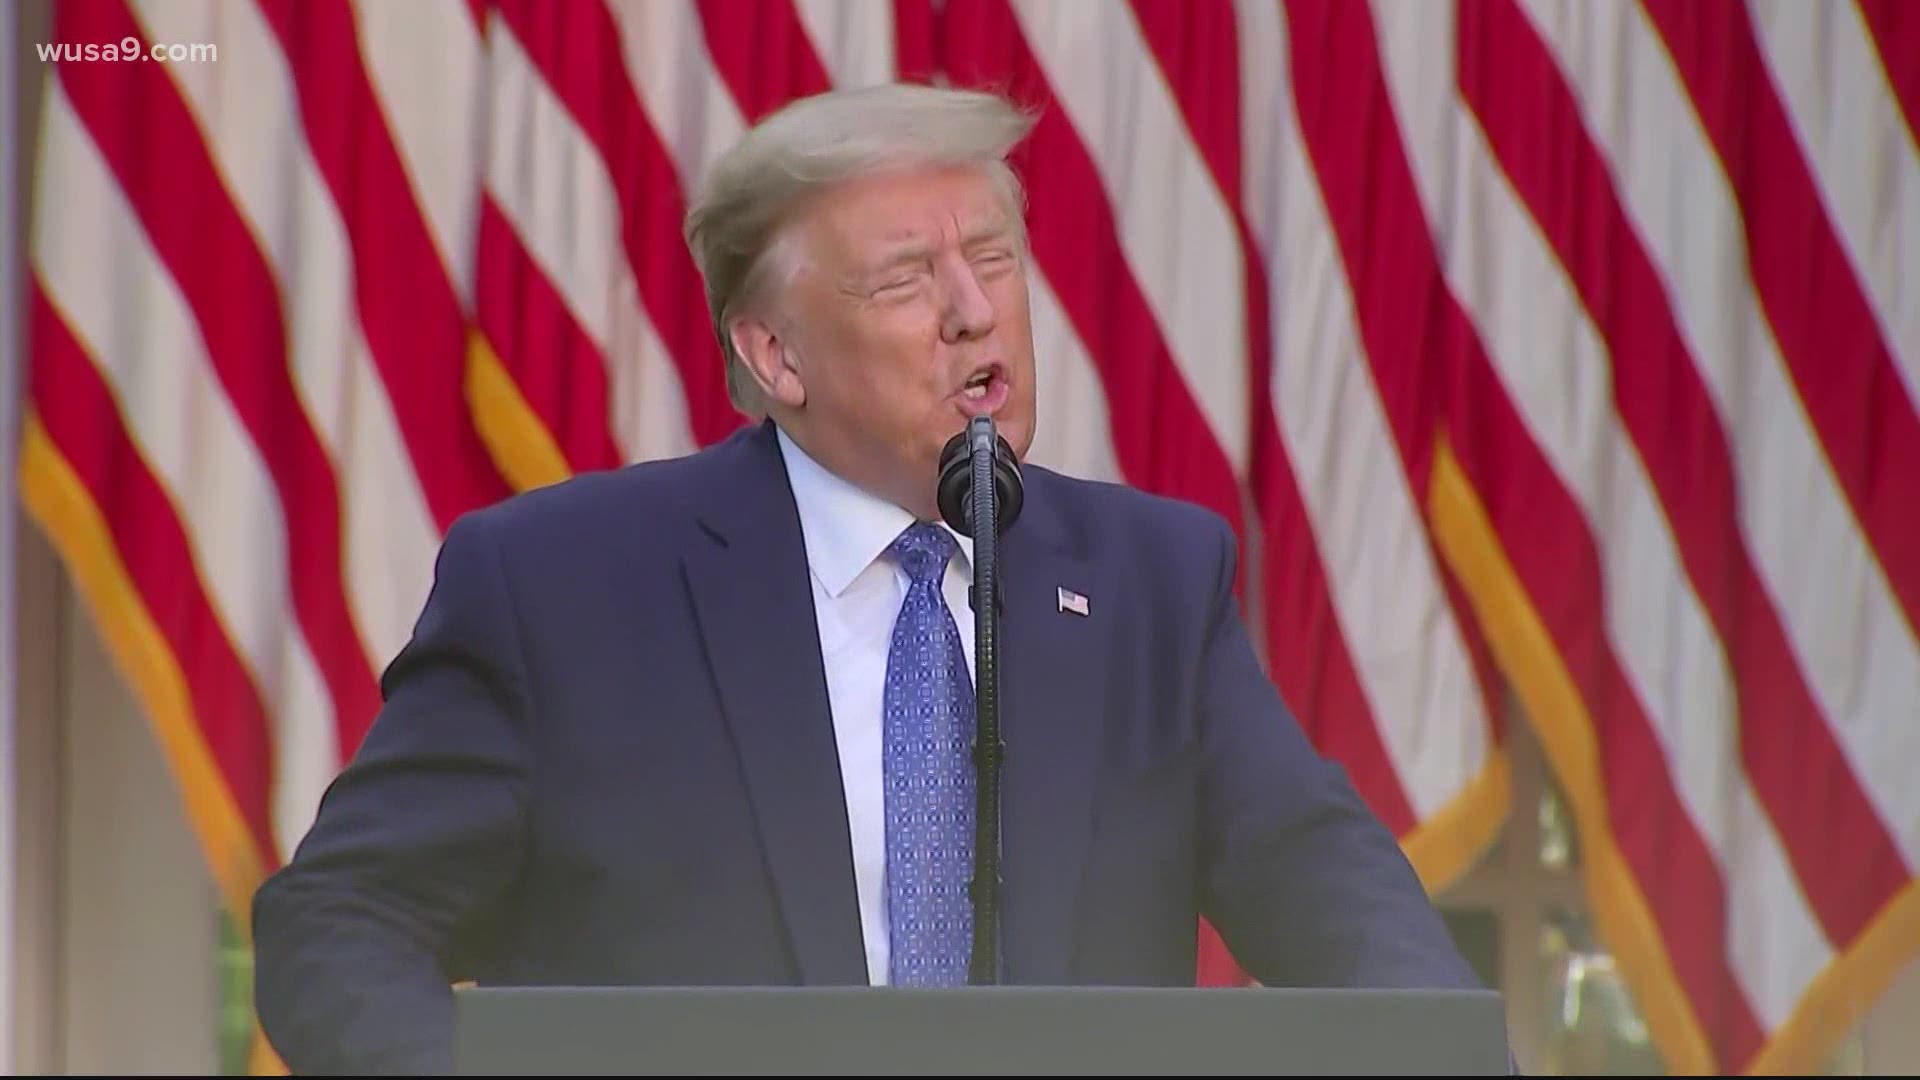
(955,491)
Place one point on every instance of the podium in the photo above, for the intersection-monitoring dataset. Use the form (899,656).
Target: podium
(1002,1029)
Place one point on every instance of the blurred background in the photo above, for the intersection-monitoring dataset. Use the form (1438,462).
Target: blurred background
(1558,363)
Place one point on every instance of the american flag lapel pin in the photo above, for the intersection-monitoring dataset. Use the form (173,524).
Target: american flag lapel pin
(1072,601)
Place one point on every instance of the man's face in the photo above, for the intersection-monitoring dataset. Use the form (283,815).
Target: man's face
(905,316)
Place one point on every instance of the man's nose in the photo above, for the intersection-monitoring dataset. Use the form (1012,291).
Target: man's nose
(967,312)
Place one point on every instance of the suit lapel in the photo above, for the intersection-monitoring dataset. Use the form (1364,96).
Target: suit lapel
(1053,689)
(749,581)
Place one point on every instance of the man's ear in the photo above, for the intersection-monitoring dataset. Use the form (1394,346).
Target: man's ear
(770,360)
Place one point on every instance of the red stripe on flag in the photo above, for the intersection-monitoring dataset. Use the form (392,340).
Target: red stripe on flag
(1197,51)
(409,311)
(1419,341)
(762,52)
(1840,850)
(576,48)
(1827,332)
(1895,27)
(152,143)
(559,370)
(1161,439)
(83,420)
(914,49)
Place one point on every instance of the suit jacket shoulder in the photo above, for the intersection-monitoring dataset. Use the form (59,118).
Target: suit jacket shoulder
(639,504)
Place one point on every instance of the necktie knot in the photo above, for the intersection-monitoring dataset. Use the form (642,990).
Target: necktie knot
(923,550)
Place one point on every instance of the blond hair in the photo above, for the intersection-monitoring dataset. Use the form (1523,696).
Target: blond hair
(812,144)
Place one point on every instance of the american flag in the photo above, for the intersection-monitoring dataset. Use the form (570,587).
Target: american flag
(1543,346)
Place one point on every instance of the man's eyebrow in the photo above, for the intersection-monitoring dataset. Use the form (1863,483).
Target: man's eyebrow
(996,229)
(900,256)
(914,251)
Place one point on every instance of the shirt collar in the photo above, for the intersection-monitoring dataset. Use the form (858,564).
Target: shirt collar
(845,527)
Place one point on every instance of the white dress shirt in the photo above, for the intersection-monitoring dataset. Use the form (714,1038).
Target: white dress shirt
(857,592)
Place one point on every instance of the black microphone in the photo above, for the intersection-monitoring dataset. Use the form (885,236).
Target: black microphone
(957,469)
(980,481)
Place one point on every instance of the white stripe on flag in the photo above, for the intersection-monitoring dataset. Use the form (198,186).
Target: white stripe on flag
(854,41)
(1073,430)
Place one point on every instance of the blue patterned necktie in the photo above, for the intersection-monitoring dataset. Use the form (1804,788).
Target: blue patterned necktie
(929,774)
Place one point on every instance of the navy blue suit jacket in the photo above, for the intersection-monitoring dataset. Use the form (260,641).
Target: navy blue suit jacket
(606,757)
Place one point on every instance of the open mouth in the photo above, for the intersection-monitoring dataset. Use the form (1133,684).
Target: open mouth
(984,393)
(976,388)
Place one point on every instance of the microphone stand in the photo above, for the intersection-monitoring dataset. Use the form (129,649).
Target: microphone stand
(989,751)
(980,493)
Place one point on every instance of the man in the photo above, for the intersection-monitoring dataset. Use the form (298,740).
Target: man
(706,721)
